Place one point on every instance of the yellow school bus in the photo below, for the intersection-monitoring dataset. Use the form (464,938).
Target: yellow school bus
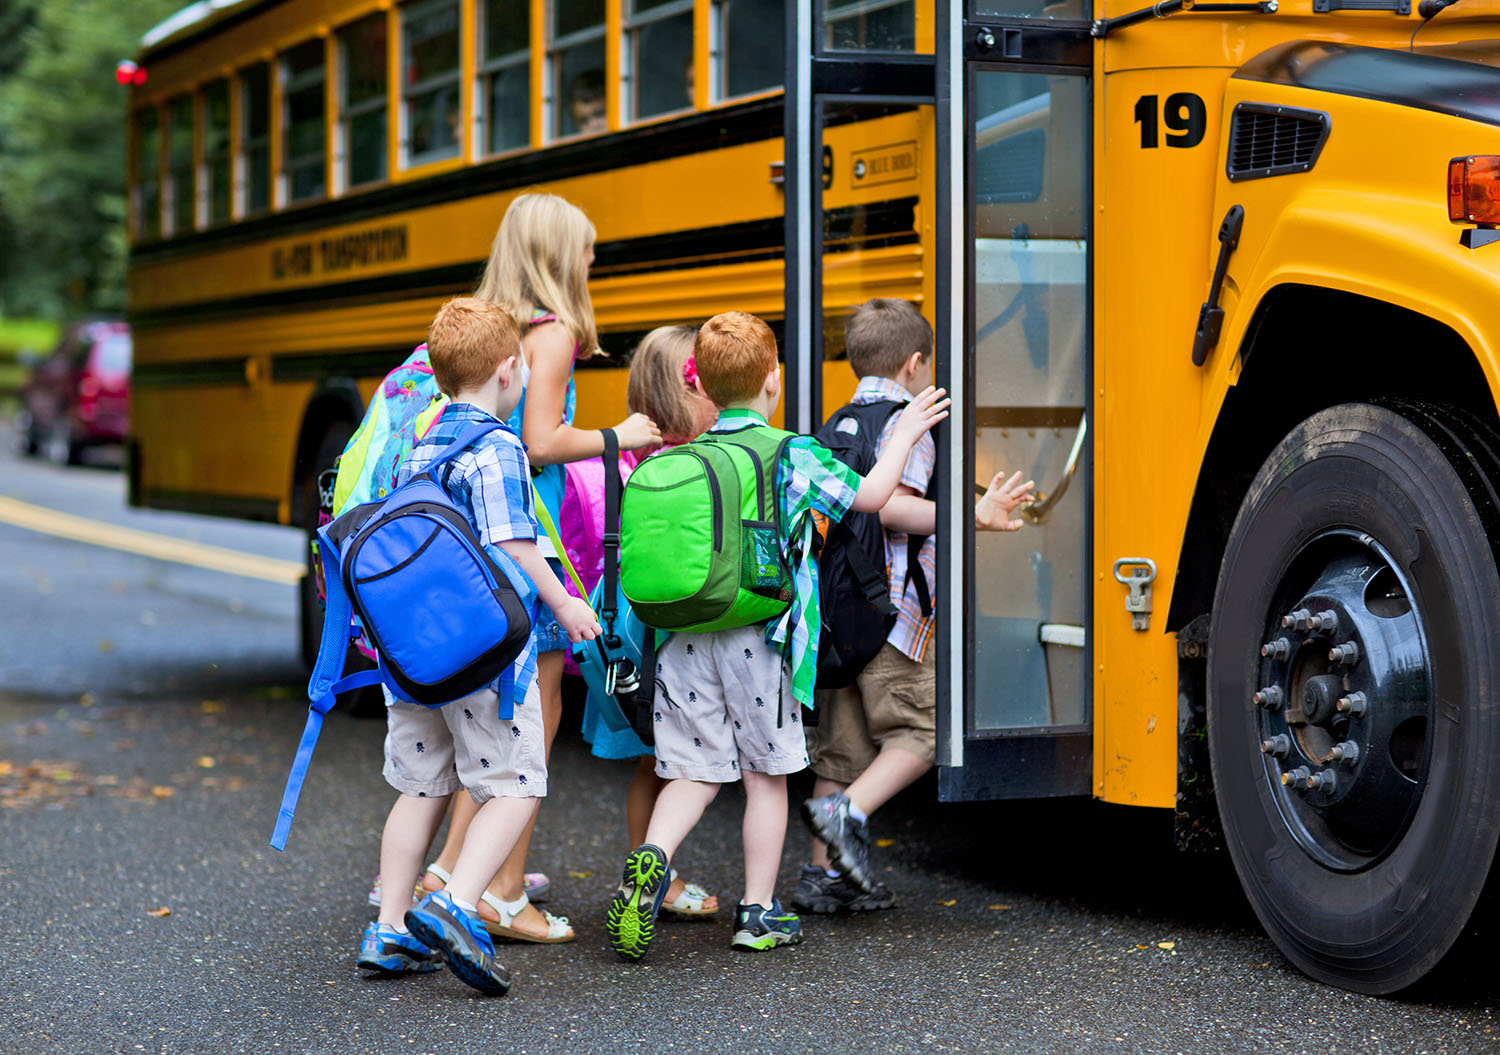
(1220,276)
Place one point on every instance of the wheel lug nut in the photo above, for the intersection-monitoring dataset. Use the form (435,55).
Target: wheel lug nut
(1354,705)
(1297,620)
(1347,752)
(1347,653)
(1278,745)
(1327,622)
(1270,697)
(1323,779)
(1296,778)
(1278,649)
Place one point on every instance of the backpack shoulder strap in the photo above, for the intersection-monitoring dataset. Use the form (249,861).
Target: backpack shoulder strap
(470,435)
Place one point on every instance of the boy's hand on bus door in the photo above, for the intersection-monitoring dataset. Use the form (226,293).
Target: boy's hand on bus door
(929,407)
(577,618)
(637,431)
(992,511)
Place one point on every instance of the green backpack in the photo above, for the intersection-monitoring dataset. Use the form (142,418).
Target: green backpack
(701,533)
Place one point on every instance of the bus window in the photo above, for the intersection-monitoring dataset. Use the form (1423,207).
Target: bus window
(255,139)
(215,172)
(303,137)
(181,205)
(1069,9)
(659,39)
(505,74)
(1030,326)
(429,78)
(147,175)
(576,59)
(362,98)
(753,45)
(870,25)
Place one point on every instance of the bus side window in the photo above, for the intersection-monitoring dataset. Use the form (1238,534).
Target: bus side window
(214,182)
(505,74)
(147,175)
(753,45)
(254,175)
(303,137)
(181,203)
(576,60)
(659,38)
(362,100)
(429,80)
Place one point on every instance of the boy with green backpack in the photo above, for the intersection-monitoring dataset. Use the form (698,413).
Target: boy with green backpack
(716,541)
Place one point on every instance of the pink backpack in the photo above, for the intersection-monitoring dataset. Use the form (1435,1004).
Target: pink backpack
(581,524)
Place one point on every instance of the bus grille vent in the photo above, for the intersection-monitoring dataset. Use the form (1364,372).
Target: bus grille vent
(1274,140)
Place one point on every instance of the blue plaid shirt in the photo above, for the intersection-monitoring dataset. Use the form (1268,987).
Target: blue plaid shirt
(811,478)
(491,483)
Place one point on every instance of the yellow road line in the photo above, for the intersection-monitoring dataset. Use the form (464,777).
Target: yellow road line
(147,543)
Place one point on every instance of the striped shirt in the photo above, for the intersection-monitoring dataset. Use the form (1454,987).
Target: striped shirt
(912,631)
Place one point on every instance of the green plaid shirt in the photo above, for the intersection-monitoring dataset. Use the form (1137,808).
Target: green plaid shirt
(809,478)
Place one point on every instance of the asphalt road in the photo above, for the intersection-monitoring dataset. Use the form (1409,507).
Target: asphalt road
(148,712)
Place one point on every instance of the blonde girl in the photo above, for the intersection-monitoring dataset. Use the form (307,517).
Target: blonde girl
(538,272)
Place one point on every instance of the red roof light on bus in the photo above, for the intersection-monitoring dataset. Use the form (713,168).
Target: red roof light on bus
(128,72)
(1474,190)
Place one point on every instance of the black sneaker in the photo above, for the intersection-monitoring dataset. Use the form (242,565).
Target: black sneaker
(822,895)
(461,940)
(848,839)
(761,927)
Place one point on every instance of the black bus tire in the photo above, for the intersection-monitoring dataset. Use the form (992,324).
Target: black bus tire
(1419,490)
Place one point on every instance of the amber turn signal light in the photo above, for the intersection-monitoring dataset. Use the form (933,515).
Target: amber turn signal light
(1474,190)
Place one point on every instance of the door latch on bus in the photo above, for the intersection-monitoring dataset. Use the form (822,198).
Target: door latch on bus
(1137,573)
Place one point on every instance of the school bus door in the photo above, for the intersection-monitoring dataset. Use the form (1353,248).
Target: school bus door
(1014,655)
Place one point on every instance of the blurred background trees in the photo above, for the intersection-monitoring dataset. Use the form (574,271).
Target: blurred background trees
(62,152)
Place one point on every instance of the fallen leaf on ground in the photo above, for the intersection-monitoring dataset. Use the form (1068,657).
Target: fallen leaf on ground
(1166,945)
(159,912)
(88,699)
(162,792)
(580,875)
(205,762)
(883,843)
(106,646)
(1143,946)
(999,908)
(950,901)
(212,707)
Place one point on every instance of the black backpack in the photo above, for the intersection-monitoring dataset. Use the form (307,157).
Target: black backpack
(853,591)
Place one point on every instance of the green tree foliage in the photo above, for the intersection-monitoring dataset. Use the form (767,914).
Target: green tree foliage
(62,152)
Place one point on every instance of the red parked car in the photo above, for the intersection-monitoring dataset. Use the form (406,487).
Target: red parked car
(78,396)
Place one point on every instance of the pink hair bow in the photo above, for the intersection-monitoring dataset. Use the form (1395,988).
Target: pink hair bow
(690,372)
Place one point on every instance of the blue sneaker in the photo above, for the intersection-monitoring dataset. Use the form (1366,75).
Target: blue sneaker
(761,927)
(385,950)
(460,938)
(631,923)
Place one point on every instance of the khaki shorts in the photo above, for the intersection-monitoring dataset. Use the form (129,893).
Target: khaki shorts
(717,700)
(430,752)
(893,703)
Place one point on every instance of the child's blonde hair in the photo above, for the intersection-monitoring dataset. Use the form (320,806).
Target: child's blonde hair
(735,352)
(537,262)
(467,341)
(657,387)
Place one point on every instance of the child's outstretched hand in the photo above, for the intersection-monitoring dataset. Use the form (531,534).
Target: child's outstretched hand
(929,407)
(577,618)
(992,511)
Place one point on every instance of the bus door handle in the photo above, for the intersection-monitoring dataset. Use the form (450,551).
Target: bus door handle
(1037,510)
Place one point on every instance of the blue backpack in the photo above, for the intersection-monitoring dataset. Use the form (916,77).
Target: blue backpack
(446,618)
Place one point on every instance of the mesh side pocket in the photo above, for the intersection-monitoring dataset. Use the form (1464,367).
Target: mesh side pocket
(762,570)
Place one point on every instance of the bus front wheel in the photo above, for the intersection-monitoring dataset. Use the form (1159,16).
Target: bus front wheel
(1353,715)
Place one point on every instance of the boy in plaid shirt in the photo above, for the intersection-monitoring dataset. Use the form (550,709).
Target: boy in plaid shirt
(474,348)
(877,736)
(719,695)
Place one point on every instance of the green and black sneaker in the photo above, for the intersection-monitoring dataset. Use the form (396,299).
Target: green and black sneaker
(631,923)
(761,927)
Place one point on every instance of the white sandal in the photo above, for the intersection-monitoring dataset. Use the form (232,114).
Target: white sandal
(534,884)
(690,901)
(558,929)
